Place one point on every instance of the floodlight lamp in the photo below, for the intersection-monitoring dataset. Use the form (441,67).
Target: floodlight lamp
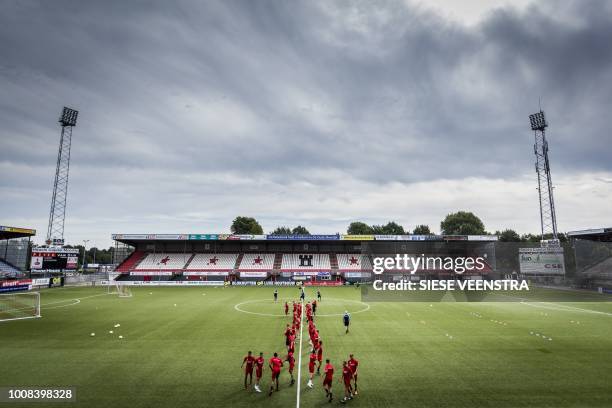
(69,117)
(538,121)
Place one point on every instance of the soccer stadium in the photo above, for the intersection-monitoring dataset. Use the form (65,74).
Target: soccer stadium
(305,204)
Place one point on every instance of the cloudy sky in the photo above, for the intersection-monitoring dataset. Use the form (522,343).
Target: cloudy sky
(316,113)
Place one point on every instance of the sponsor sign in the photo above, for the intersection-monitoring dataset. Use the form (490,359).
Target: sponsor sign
(323,283)
(15,285)
(172,283)
(482,237)
(357,275)
(253,274)
(40,282)
(151,273)
(302,237)
(306,273)
(18,230)
(216,273)
(541,261)
(357,237)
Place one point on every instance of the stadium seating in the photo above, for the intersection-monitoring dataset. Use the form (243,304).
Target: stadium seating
(213,262)
(305,262)
(130,262)
(163,261)
(8,271)
(257,262)
(353,262)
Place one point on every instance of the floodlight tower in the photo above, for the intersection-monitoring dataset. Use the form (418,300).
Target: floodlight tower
(548,218)
(57,214)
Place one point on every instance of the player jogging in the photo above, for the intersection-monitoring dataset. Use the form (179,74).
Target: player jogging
(319,355)
(353,365)
(291,361)
(275,295)
(318,295)
(314,307)
(286,308)
(347,375)
(327,381)
(249,360)
(302,294)
(275,365)
(347,320)
(311,367)
(259,363)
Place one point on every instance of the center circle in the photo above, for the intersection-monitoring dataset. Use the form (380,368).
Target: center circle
(240,307)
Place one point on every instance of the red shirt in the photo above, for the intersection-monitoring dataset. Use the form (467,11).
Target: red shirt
(287,332)
(276,364)
(259,362)
(249,360)
(291,360)
(320,350)
(352,363)
(347,374)
(329,371)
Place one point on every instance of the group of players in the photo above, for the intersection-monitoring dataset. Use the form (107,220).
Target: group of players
(349,367)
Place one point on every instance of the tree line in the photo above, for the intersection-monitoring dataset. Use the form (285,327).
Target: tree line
(458,223)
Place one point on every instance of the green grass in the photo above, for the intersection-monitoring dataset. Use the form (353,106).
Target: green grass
(190,355)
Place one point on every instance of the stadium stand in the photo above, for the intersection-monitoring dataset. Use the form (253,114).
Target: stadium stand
(305,262)
(353,262)
(8,271)
(163,261)
(130,262)
(257,262)
(212,262)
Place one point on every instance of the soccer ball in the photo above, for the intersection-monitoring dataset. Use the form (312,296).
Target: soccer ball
(120,337)
(110,332)
(92,334)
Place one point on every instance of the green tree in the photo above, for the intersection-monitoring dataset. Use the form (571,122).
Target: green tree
(462,223)
(281,231)
(391,228)
(246,225)
(422,230)
(299,230)
(508,235)
(359,228)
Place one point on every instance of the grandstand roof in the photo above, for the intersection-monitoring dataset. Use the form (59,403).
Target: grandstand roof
(14,232)
(597,234)
(132,238)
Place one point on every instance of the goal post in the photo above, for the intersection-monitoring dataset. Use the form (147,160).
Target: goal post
(19,305)
(123,290)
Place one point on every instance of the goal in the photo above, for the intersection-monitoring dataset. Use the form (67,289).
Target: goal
(123,290)
(19,305)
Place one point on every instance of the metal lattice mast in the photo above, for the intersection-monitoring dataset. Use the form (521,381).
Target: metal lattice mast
(548,218)
(57,214)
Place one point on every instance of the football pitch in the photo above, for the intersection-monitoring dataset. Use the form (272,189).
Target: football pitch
(183,347)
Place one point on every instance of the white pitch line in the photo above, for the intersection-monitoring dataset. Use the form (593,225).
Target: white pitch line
(563,308)
(299,376)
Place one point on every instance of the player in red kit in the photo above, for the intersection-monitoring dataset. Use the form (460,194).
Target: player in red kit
(259,363)
(319,355)
(353,365)
(327,381)
(275,365)
(291,361)
(347,376)
(287,335)
(311,367)
(249,360)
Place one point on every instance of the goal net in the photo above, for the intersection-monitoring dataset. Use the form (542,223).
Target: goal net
(123,290)
(19,305)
